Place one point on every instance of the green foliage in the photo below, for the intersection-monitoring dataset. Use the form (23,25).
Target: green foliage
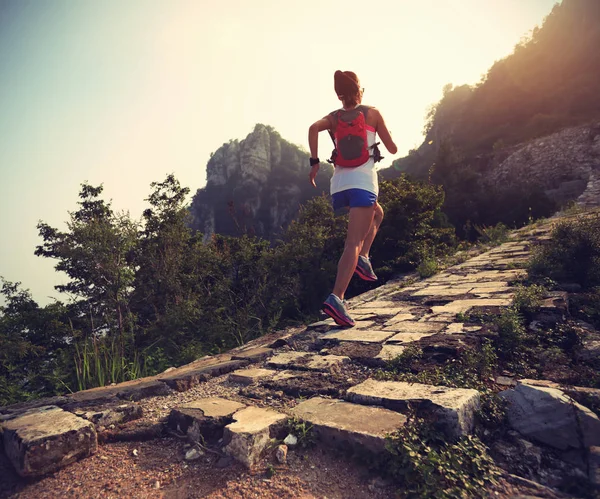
(428,267)
(528,299)
(413,228)
(511,332)
(496,234)
(302,430)
(425,465)
(572,254)
(586,306)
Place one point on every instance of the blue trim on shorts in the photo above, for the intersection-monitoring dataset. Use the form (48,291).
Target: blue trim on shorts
(352,198)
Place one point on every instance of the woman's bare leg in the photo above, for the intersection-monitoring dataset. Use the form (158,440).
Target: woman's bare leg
(359,225)
(377,219)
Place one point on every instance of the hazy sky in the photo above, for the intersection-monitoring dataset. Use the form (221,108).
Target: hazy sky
(123,92)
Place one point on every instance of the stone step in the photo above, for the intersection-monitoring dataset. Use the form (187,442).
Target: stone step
(186,377)
(306,361)
(344,424)
(45,439)
(363,336)
(206,417)
(253,354)
(454,408)
(250,376)
(250,433)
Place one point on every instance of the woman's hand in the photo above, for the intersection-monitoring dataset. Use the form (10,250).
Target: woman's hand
(313,173)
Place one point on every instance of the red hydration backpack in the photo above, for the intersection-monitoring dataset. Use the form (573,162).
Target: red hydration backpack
(350,139)
(352,148)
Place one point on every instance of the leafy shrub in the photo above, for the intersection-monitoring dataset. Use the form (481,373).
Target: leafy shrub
(495,234)
(428,267)
(528,299)
(426,466)
(572,254)
(511,332)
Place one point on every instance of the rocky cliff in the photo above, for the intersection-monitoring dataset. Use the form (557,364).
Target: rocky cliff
(255,186)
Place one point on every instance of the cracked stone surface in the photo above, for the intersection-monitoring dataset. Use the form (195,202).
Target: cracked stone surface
(365,336)
(206,417)
(454,407)
(305,360)
(345,424)
(45,439)
(249,376)
(551,417)
(248,436)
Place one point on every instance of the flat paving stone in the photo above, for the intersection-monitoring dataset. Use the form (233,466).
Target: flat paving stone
(378,304)
(454,407)
(250,376)
(253,354)
(399,318)
(207,416)
(306,361)
(364,336)
(343,424)
(389,352)
(417,327)
(462,306)
(443,291)
(459,327)
(45,439)
(186,377)
(249,435)
(402,338)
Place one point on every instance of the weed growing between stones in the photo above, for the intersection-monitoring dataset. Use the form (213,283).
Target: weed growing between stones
(493,235)
(428,267)
(426,465)
(528,299)
(302,430)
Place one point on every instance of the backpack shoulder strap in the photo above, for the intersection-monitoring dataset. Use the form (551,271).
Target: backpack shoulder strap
(364,110)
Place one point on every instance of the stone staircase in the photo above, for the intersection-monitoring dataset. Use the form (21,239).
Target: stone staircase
(590,198)
(321,374)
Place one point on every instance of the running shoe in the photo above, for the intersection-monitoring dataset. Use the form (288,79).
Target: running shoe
(336,309)
(364,269)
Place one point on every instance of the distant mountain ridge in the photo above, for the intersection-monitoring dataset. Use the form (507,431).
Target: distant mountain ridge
(551,81)
(255,186)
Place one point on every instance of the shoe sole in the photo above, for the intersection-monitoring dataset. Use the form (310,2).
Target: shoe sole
(332,312)
(364,276)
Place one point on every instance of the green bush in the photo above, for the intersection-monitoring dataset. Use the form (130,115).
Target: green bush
(572,254)
(426,466)
(528,299)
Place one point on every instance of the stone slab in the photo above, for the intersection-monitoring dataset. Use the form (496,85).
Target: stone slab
(249,435)
(454,408)
(443,291)
(378,304)
(306,361)
(399,318)
(389,352)
(417,327)
(254,354)
(46,439)
(551,417)
(206,417)
(250,376)
(344,424)
(459,327)
(185,378)
(365,336)
(462,306)
(129,390)
(403,338)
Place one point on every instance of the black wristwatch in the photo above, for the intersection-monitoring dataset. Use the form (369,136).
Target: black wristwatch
(314,161)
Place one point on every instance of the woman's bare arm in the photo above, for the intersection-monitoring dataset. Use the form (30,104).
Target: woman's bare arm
(384,133)
(313,144)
